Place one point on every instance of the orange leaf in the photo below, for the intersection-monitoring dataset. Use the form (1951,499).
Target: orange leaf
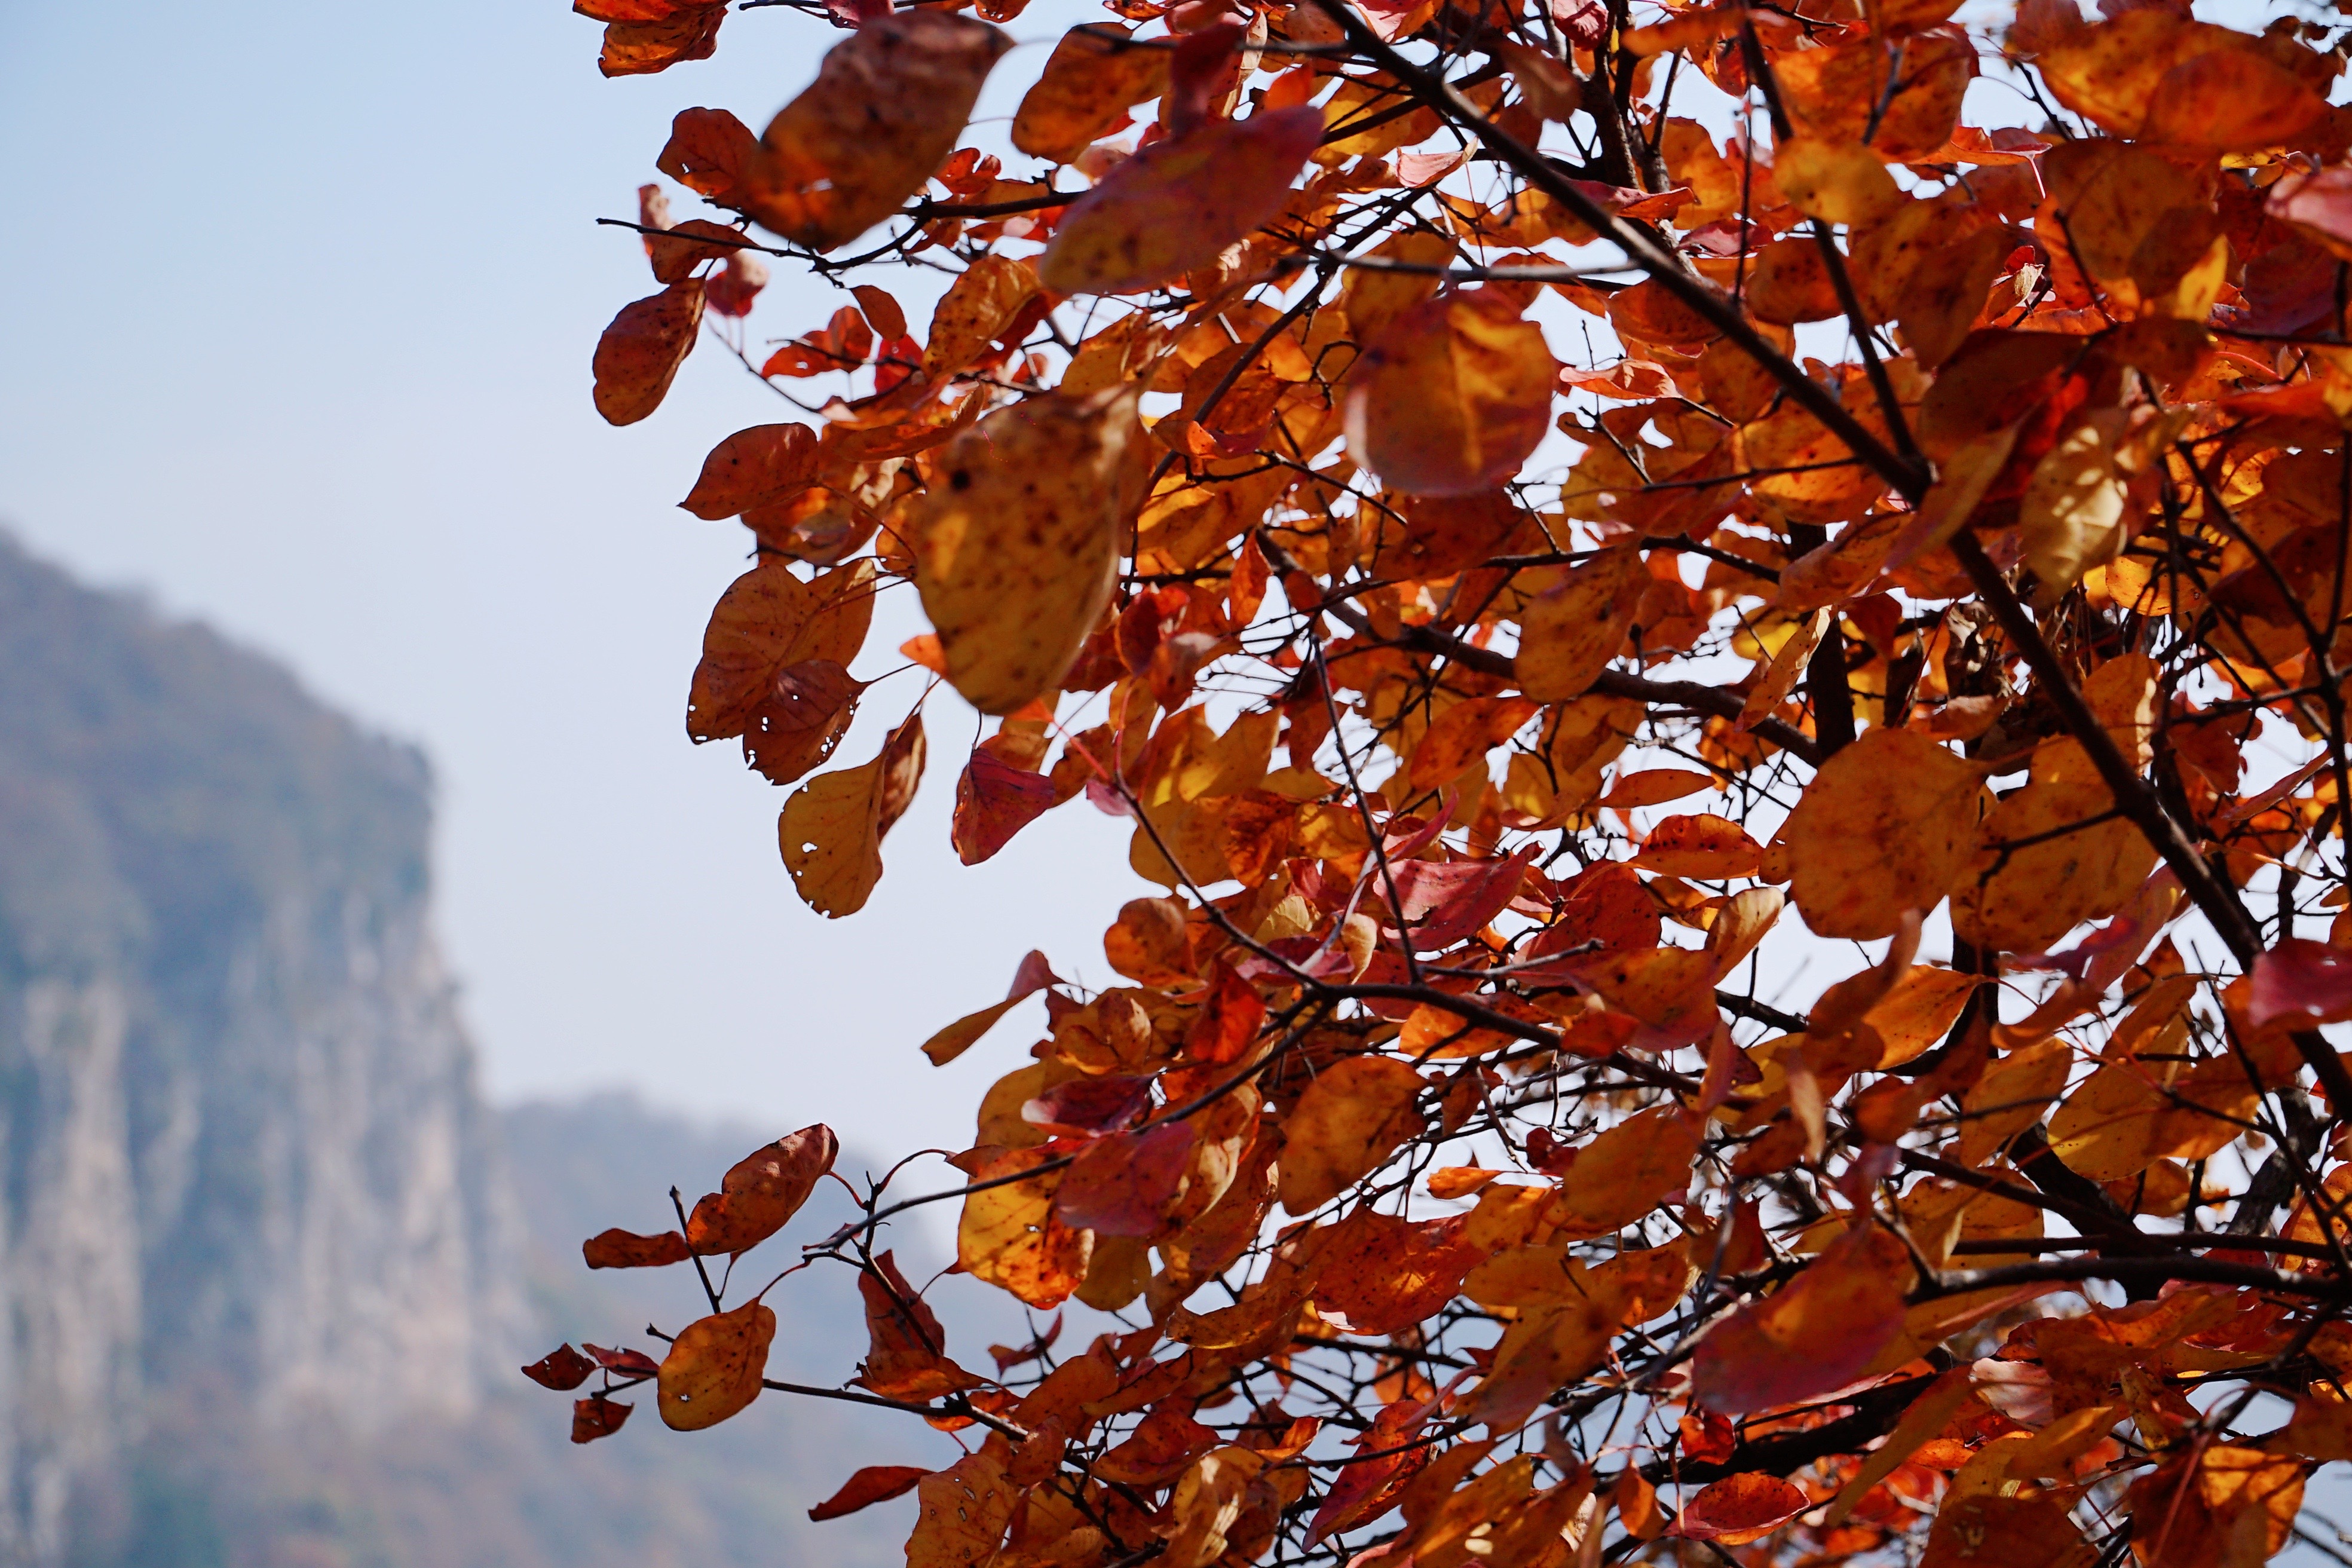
(1351,1118)
(752,468)
(885,110)
(1453,396)
(627,1249)
(1091,79)
(831,831)
(713,1369)
(763,1190)
(639,357)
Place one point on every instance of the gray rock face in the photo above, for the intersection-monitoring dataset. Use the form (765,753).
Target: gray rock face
(238,1130)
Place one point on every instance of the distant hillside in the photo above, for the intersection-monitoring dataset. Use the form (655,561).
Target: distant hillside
(267,1264)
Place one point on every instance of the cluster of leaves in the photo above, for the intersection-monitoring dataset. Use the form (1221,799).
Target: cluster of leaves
(1237,462)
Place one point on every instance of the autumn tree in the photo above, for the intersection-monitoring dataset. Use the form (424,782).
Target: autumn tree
(1510,497)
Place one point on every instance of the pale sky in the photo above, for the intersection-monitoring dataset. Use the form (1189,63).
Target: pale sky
(301,305)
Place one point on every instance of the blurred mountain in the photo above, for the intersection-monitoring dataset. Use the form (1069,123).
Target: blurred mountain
(268,1263)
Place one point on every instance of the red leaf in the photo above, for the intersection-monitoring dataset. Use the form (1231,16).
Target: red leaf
(1741,1509)
(875,1483)
(1447,900)
(709,152)
(597,1416)
(1125,1184)
(1815,1334)
(2300,977)
(1364,1488)
(561,1368)
(1089,1107)
(635,1363)
(995,800)
(1228,1020)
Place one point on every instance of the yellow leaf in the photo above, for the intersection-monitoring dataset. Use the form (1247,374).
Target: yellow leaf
(1009,1235)
(831,830)
(1351,1118)
(2074,512)
(713,1369)
(1568,635)
(1837,181)
(1017,541)
(1207,1504)
(1889,825)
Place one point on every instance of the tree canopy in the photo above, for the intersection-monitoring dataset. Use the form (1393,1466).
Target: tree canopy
(1538,511)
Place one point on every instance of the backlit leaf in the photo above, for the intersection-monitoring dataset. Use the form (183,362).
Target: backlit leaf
(1089,83)
(1816,1333)
(1452,396)
(1177,204)
(1887,826)
(831,830)
(1350,1118)
(1018,542)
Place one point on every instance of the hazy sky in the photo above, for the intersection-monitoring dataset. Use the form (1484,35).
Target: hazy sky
(301,300)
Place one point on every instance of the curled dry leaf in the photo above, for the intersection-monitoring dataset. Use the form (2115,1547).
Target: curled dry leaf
(763,1190)
(619,1248)
(561,1368)
(639,354)
(1017,541)
(713,1368)
(597,1416)
(873,1484)
(1177,204)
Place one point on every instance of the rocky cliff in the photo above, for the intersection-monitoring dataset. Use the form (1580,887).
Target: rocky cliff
(242,1145)
(268,1263)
